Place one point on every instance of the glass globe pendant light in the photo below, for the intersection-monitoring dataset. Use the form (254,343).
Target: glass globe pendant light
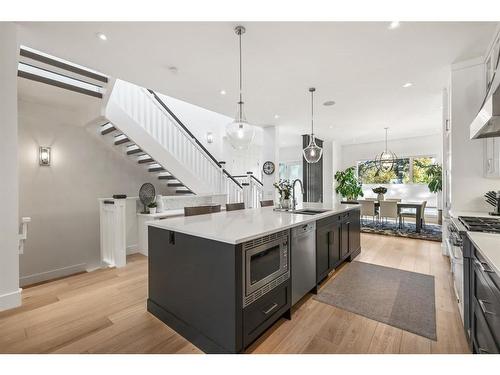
(386,160)
(312,153)
(239,131)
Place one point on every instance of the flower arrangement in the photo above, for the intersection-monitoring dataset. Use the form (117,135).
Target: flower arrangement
(379,190)
(284,188)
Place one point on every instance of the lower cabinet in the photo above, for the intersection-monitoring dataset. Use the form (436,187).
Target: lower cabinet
(337,238)
(484,305)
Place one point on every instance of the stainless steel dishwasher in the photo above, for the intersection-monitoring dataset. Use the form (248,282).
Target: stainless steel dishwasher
(303,260)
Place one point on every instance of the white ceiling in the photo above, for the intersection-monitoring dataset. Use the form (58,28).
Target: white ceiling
(360,65)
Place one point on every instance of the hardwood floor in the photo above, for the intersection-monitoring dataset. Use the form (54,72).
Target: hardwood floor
(104,312)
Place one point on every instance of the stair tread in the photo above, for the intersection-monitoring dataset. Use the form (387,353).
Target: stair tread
(134,151)
(146,160)
(175,184)
(107,130)
(170,177)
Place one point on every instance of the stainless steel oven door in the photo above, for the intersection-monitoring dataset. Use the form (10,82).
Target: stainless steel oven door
(265,263)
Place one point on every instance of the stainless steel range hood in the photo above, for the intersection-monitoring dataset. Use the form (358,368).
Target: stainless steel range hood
(487,122)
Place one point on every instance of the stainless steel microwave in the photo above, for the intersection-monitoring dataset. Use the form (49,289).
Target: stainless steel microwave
(265,265)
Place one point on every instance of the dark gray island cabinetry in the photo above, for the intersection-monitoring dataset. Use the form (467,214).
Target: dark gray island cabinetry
(220,280)
(196,287)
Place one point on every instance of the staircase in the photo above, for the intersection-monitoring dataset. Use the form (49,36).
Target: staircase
(150,132)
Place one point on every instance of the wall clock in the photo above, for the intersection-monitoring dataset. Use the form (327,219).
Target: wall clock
(268,167)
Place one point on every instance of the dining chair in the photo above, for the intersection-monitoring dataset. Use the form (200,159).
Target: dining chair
(388,209)
(201,210)
(413,214)
(368,208)
(393,199)
(371,199)
(267,203)
(235,206)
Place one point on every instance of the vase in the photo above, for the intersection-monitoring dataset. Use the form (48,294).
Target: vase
(152,210)
(380,197)
(285,203)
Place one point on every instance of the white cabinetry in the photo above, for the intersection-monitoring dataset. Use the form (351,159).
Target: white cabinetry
(492,157)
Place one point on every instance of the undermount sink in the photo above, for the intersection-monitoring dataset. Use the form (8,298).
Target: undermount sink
(308,211)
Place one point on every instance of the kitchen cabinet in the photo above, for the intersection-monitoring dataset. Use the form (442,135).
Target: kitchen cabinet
(337,239)
(492,157)
(484,301)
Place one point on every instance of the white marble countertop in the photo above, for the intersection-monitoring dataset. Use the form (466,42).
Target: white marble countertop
(489,246)
(235,227)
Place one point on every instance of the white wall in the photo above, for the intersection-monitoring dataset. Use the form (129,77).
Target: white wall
(468,184)
(416,146)
(200,121)
(63,236)
(10,295)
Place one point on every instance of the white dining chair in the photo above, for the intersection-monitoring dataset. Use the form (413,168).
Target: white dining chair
(388,209)
(413,215)
(393,199)
(368,208)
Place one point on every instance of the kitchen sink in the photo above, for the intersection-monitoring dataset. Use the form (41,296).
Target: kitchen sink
(308,211)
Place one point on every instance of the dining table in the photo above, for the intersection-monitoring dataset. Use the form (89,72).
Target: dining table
(413,205)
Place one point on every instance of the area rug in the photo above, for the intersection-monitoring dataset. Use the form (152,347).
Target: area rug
(431,232)
(399,298)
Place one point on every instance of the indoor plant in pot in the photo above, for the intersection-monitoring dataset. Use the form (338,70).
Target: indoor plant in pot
(380,191)
(284,188)
(152,208)
(348,185)
(434,179)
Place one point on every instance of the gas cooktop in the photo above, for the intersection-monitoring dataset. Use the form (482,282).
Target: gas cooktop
(481,224)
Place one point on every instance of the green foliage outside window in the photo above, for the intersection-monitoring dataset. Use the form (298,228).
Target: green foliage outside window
(369,173)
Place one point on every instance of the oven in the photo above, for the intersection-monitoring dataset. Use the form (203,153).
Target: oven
(455,250)
(265,265)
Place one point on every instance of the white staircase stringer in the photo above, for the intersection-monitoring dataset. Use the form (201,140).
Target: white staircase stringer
(136,133)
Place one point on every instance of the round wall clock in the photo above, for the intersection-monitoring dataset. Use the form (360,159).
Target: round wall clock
(268,167)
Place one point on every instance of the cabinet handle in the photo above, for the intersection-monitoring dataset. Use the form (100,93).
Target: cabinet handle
(483,351)
(483,307)
(273,306)
(482,265)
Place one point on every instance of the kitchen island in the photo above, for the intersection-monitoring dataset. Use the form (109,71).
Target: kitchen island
(220,280)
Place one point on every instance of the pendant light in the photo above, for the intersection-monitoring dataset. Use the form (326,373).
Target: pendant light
(239,131)
(312,153)
(386,160)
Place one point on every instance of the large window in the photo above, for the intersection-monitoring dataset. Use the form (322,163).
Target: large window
(406,170)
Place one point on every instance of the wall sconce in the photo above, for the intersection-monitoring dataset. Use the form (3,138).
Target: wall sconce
(210,137)
(44,156)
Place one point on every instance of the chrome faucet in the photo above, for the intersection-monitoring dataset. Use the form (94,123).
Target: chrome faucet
(294,201)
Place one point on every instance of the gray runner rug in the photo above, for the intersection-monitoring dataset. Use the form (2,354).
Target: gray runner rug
(399,298)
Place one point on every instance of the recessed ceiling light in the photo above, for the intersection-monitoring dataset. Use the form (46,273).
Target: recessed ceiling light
(276,116)
(102,36)
(223,92)
(173,69)
(407,84)
(394,25)
(331,126)
(329,103)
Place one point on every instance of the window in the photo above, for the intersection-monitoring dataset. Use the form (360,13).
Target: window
(369,173)
(406,170)
(419,169)
(290,170)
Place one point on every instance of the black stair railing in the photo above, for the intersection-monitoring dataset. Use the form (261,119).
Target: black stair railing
(172,114)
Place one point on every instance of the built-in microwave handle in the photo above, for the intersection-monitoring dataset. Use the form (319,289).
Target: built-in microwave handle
(273,306)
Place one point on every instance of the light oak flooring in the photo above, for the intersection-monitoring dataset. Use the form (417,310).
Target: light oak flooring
(105,312)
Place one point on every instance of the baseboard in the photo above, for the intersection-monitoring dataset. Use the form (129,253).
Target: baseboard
(53,274)
(10,300)
(132,249)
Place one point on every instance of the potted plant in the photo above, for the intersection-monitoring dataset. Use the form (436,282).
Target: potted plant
(348,185)
(434,181)
(380,191)
(284,188)
(152,208)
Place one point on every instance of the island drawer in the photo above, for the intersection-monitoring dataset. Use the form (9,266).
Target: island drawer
(488,272)
(261,314)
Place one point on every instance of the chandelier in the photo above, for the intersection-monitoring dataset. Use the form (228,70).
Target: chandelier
(312,153)
(386,160)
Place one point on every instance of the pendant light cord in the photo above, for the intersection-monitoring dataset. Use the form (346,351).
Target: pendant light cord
(312,113)
(386,140)
(240,69)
